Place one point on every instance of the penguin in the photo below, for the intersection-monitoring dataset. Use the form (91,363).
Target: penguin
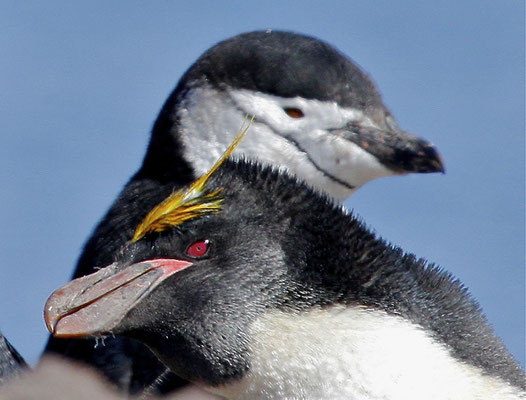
(317,116)
(12,364)
(251,284)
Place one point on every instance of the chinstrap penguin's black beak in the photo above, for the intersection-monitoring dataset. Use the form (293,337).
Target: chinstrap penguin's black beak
(396,149)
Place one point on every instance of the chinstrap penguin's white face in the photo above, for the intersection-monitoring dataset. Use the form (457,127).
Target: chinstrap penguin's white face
(293,133)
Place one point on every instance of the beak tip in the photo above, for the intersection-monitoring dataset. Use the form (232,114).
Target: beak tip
(428,159)
(50,322)
(438,162)
(52,314)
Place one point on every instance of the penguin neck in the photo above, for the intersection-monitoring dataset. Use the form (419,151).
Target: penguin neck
(347,265)
(354,353)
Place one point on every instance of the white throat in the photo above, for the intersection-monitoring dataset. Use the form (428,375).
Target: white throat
(210,119)
(354,353)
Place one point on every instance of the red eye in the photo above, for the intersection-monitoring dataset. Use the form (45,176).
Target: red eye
(198,249)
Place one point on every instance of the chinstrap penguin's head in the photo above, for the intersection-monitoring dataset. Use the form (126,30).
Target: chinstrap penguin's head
(317,115)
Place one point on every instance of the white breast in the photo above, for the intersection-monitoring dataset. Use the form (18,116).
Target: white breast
(353,353)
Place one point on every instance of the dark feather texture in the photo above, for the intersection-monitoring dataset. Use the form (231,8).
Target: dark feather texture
(279,245)
(11,363)
(274,63)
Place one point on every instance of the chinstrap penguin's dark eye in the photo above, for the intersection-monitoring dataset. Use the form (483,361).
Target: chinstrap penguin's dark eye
(293,112)
(198,249)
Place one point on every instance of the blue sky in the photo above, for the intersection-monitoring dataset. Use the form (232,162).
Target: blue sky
(82,82)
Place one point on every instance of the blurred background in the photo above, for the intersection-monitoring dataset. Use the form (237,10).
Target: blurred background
(81,84)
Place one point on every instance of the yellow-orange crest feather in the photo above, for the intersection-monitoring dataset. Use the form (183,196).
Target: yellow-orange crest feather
(189,203)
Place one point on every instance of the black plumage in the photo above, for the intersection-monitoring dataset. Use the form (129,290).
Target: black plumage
(276,245)
(280,64)
(11,363)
